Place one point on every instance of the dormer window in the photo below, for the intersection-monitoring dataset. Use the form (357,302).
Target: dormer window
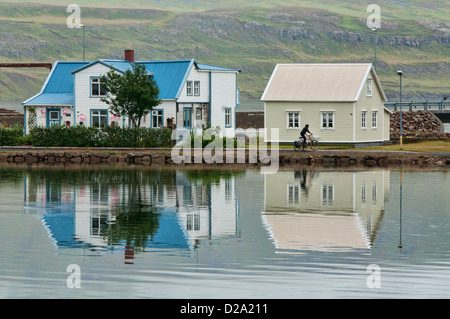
(98,87)
(369,87)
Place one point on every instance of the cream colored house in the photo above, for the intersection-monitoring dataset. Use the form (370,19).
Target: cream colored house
(325,210)
(342,103)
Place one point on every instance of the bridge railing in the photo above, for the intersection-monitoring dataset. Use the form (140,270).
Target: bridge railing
(417,105)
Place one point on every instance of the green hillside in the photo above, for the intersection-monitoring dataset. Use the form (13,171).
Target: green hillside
(414,37)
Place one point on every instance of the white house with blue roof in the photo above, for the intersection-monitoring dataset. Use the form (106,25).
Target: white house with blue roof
(192,95)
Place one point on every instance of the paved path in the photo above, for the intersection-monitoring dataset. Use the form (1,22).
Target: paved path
(150,150)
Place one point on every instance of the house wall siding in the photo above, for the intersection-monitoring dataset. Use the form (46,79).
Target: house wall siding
(84,103)
(223,95)
(203,78)
(370,104)
(310,113)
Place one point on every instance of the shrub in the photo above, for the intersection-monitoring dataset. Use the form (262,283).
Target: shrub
(111,136)
(12,136)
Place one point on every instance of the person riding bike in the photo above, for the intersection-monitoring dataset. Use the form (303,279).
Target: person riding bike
(303,134)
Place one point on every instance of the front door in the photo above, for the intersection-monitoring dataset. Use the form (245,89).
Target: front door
(187,117)
(53,117)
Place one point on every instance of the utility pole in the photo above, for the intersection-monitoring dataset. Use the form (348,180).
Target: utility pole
(84,55)
(400,73)
(375,62)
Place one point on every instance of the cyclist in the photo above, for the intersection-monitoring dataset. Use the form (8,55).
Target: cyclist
(303,134)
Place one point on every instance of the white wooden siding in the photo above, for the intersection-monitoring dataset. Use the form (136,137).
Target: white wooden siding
(203,78)
(84,103)
(223,95)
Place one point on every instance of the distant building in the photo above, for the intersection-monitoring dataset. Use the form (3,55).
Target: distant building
(192,95)
(342,103)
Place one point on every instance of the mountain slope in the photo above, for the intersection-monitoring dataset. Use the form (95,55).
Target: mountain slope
(252,39)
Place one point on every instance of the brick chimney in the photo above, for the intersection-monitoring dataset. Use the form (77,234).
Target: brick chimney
(129,56)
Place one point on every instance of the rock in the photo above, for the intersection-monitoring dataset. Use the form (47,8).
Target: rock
(158,159)
(19,159)
(30,159)
(146,159)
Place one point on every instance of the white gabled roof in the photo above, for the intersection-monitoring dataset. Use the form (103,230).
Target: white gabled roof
(315,82)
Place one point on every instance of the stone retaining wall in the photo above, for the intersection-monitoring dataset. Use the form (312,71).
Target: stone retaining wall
(417,126)
(164,158)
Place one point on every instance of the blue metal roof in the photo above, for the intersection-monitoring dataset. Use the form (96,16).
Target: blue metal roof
(215,68)
(118,65)
(58,88)
(61,228)
(169,75)
(52,99)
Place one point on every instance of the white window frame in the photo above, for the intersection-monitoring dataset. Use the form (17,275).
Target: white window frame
(293,194)
(98,82)
(369,87)
(364,120)
(99,115)
(363,193)
(295,126)
(228,117)
(374,119)
(196,88)
(325,115)
(198,114)
(157,115)
(189,88)
(327,192)
(374,193)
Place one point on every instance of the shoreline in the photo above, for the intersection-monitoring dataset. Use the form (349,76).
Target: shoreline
(159,156)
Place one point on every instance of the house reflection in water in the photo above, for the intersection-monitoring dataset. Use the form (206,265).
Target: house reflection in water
(324,210)
(131,210)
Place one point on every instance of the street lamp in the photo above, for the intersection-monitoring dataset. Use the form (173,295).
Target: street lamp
(400,73)
(375,62)
(84,57)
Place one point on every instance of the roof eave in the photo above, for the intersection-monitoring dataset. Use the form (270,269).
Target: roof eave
(310,101)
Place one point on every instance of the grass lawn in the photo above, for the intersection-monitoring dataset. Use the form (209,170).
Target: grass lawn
(425,147)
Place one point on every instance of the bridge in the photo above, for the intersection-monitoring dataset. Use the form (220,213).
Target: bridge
(439,108)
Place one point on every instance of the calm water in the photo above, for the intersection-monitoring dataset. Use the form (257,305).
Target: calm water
(224,234)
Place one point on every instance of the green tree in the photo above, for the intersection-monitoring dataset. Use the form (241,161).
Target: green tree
(133,94)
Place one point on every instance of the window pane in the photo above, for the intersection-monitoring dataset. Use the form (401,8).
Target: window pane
(157,118)
(103,122)
(197,88)
(227,117)
(54,115)
(95,121)
(103,89)
(95,89)
(369,87)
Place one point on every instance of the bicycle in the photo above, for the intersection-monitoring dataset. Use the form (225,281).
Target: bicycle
(313,144)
